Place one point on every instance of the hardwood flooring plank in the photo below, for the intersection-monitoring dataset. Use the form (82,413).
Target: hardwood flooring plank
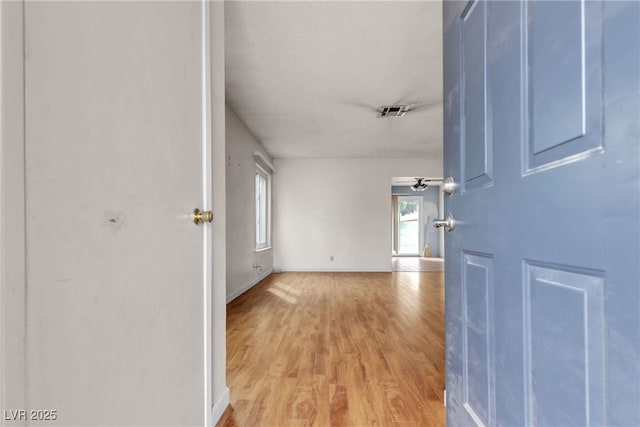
(323,405)
(337,349)
(339,407)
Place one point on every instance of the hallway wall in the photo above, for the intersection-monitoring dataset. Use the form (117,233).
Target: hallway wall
(241,212)
(339,208)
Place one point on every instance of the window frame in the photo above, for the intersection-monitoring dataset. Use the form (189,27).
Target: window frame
(261,246)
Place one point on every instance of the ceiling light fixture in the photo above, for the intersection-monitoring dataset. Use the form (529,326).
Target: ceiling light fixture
(420,185)
(393,110)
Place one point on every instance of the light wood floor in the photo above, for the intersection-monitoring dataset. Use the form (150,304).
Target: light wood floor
(339,349)
(416,263)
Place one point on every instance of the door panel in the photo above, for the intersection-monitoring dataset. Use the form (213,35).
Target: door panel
(564,90)
(553,30)
(477,155)
(543,308)
(478,358)
(564,344)
(113,169)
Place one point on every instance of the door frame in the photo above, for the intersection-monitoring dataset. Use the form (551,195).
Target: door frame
(13,279)
(218,323)
(440,215)
(207,201)
(13,283)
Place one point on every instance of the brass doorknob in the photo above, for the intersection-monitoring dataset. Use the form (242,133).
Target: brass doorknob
(199,216)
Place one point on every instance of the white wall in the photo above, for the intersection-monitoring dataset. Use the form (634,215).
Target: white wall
(339,207)
(241,214)
(12,264)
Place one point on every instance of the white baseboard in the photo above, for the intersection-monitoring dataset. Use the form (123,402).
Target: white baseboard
(335,270)
(220,406)
(235,294)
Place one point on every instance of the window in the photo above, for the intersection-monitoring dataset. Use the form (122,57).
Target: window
(263,208)
(409,225)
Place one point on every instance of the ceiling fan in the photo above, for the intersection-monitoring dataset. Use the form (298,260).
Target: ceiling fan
(419,184)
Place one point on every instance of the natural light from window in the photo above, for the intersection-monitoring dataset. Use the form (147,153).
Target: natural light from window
(263,180)
(408,225)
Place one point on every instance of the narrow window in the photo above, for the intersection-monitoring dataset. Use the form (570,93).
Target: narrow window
(409,225)
(263,207)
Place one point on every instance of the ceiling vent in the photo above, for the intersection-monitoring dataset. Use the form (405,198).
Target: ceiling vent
(393,110)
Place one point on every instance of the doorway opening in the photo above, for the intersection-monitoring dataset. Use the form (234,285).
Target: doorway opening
(408,224)
(416,244)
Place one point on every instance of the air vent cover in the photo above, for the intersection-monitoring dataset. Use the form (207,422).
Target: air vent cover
(393,110)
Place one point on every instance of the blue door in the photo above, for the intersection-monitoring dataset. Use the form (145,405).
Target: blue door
(542,119)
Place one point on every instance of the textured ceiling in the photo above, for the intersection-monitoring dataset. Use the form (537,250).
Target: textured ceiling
(307,76)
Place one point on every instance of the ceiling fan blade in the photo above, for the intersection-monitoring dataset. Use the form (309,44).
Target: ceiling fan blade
(364,106)
(427,181)
(424,107)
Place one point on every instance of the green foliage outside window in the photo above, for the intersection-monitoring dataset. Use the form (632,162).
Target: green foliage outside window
(407,207)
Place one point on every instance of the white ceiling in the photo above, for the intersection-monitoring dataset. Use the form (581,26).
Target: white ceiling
(307,76)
